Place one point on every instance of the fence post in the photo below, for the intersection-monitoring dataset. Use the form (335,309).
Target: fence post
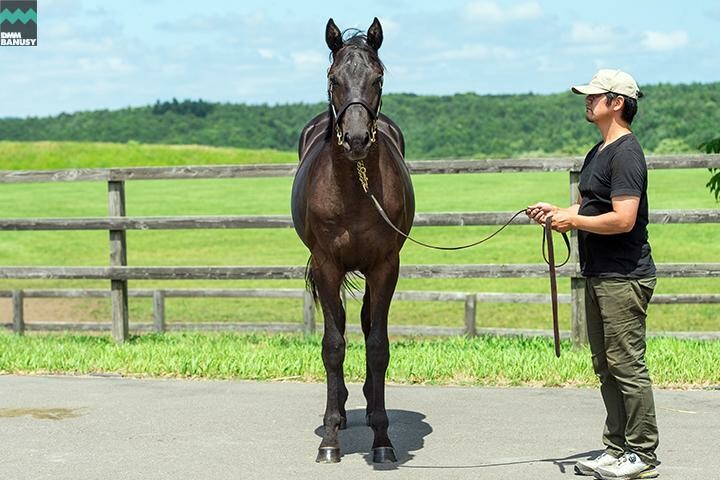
(18,312)
(159,310)
(308,313)
(470,314)
(118,258)
(577,284)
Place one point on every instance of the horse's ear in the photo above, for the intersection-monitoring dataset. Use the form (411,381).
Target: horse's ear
(375,35)
(333,36)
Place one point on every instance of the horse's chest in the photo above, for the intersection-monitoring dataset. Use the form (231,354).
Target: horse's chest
(347,230)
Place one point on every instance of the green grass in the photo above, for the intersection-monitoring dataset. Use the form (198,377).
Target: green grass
(669,189)
(454,361)
(53,155)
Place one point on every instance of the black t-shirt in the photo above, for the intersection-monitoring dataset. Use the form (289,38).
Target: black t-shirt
(618,169)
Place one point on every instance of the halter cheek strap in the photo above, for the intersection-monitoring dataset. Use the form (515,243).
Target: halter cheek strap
(337,115)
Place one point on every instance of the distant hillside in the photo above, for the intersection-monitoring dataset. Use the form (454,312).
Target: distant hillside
(672,119)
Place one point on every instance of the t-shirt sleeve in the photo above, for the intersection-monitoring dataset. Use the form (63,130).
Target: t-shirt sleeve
(629,173)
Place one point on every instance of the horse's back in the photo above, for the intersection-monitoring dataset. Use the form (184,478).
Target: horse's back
(316,130)
(392,132)
(394,140)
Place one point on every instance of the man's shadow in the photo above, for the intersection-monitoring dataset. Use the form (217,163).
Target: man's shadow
(407,432)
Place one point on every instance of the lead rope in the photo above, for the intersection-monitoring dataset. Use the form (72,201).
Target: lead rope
(553,281)
(547,238)
(362,173)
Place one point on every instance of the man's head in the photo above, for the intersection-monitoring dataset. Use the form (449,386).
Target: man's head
(620,92)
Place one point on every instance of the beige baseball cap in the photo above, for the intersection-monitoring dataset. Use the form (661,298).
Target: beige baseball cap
(606,80)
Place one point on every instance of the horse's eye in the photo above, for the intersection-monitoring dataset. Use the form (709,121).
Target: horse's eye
(332,79)
(379,82)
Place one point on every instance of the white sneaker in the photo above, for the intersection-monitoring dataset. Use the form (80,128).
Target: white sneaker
(588,467)
(627,467)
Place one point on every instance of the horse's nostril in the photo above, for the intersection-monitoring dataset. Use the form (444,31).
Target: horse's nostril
(367,138)
(346,137)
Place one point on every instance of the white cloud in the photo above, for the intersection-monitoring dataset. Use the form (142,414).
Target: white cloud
(266,53)
(526,11)
(210,24)
(587,33)
(491,12)
(308,59)
(389,26)
(660,41)
(105,65)
(474,52)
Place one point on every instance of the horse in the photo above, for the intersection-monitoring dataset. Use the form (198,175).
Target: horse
(345,153)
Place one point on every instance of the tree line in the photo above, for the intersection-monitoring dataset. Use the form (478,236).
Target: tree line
(671,119)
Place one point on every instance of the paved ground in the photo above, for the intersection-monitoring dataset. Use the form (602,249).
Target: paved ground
(113,428)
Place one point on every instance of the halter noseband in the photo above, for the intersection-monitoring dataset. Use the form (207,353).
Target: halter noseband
(337,115)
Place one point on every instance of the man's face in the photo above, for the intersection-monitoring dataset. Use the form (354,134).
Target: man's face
(596,107)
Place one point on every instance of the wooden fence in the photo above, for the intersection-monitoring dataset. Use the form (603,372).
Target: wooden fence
(119,273)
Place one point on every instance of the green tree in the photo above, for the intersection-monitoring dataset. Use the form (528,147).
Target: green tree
(713,146)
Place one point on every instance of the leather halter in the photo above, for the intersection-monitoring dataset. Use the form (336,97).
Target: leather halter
(337,114)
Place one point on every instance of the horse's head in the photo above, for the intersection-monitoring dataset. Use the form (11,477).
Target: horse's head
(355,81)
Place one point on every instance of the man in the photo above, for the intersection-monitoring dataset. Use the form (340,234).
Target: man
(615,258)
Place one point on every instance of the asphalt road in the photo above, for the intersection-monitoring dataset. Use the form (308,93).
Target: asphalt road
(62,427)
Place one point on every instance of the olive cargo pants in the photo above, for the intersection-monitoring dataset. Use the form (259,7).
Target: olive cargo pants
(616,311)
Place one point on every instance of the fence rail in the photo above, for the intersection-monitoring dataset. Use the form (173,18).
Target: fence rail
(160,324)
(117,223)
(290,272)
(549,164)
(449,219)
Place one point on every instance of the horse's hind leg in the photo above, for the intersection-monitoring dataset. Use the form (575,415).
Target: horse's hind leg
(328,280)
(382,281)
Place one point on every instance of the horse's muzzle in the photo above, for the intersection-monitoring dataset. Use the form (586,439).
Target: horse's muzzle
(356,147)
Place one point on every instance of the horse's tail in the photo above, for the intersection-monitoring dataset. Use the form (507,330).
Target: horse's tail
(310,281)
(350,282)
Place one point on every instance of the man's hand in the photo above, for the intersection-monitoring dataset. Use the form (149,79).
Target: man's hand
(563,221)
(540,210)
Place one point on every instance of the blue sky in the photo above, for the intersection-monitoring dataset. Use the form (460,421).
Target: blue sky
(94,54)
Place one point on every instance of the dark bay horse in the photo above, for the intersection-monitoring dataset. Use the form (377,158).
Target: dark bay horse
(338,223)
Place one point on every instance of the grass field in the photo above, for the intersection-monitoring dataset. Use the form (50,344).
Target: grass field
(456,361)
(669,189)
(54,155)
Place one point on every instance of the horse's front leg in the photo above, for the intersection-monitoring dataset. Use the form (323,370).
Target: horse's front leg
(365,322)
(382,281)
(328,279)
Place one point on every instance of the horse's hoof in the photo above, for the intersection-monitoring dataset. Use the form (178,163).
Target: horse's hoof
(343,424)
(384,455)
(328,455)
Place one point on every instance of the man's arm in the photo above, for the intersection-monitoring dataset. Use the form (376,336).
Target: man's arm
(620,220)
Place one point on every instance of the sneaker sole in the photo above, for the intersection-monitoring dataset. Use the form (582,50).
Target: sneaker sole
(649,474)
(589,472)
(652,473)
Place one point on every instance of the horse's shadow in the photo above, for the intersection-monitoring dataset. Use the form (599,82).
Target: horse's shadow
(407,432)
